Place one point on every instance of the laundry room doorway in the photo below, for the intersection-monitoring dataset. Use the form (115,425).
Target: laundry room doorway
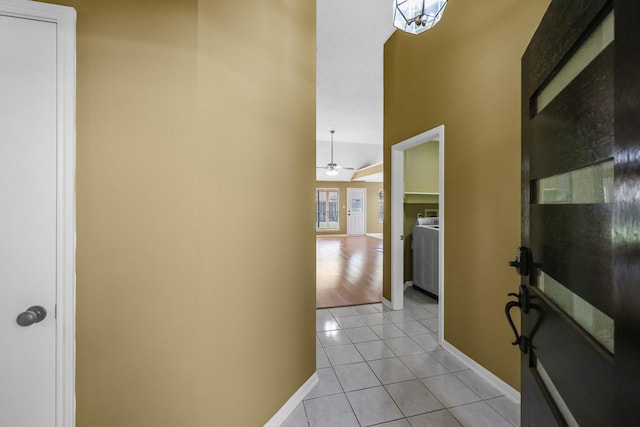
(405,199)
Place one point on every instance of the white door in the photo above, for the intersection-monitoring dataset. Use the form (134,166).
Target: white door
(27,221)
(356,211)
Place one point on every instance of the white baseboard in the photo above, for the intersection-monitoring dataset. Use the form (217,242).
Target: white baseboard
(505,388)
(293,402)
(408,284)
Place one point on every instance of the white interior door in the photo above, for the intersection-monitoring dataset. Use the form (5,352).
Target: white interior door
(27,221)
(356,211)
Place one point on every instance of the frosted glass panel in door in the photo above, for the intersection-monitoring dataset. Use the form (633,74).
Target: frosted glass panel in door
(595,322)
(592,184)
(356,205)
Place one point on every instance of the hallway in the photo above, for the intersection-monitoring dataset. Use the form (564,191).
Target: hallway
(348,270)
(385,368)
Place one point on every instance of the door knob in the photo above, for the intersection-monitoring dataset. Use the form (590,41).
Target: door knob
(32,315)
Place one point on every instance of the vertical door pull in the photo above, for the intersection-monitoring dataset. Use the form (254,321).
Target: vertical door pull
(507,311)
(522,303)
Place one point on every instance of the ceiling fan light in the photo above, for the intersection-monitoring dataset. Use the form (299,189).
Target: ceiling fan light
(332,172)
(417,16)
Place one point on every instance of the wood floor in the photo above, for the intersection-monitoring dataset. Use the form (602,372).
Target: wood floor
(348,270)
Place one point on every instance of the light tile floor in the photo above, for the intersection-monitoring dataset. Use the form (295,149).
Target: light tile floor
(379,367)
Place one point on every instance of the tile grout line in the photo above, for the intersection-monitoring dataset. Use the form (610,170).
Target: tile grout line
(396,320)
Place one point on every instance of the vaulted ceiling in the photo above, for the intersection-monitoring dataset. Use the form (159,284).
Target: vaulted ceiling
(350,41)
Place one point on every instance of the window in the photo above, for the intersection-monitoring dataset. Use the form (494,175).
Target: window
(380,206)
(327,213)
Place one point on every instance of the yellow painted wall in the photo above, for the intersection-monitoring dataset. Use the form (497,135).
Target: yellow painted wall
(372,204)
(187,313)
(465,74)
(421,168)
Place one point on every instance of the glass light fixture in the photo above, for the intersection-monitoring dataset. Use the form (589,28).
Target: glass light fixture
(417,16)
(332,171)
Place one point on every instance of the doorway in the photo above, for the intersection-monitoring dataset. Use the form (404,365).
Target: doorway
(356,211)
(397,219)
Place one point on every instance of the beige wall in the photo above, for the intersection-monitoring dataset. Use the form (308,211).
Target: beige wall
(475,92)
(421,168)
(372,204)
(186,314)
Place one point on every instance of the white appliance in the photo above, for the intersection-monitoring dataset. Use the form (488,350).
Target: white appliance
(426,233)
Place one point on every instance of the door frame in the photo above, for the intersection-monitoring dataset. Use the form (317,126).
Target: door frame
(364,210)
(397,219)
(65,20)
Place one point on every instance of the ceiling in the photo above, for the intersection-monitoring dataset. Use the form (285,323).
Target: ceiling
(349,98)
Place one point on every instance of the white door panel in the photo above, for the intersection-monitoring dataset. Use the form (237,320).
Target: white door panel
(27,220)
(356,211)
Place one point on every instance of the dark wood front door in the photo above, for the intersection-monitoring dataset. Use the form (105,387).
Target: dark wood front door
(581,216)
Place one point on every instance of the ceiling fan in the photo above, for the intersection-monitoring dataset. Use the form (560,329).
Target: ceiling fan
(332,168)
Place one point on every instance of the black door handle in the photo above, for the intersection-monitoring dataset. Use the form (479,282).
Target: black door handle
(522,261)
(507,312)
(523,304)
(32,315)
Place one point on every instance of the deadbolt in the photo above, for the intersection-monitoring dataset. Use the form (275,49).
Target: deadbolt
(522,261)
(32,315)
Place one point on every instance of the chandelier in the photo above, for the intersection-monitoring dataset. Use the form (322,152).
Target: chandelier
(417,16)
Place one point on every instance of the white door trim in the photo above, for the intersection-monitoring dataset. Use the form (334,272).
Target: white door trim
(397,219)
(65,19)
(364,210)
